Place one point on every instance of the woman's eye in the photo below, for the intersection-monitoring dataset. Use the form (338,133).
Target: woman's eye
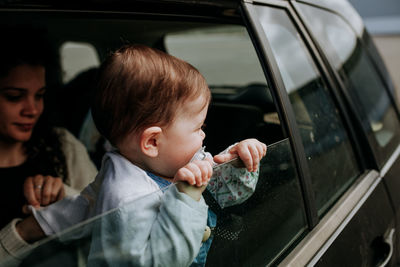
(13,97)
(39,96)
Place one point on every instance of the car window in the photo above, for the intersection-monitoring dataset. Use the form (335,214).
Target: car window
(327,146)
(237,63)
(260,229)
(358,72)
(257,231)
(76,58)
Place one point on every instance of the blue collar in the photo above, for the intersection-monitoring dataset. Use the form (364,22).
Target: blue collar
(160,181)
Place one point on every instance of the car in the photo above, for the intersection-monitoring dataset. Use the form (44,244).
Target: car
(302,76)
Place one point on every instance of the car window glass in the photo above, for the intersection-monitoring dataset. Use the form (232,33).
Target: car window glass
(358,72)
(230,44)
(77,57)
(329,153)
(256,231)
(345,8)
(242,107)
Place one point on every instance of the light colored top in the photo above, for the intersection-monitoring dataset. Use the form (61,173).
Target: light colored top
(140,226)
(131,195)
(80,168)
(81,171)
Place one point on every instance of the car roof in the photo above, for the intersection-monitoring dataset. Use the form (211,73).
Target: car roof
(114,5)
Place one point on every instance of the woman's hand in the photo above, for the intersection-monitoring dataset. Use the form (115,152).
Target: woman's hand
(250,151)
(42,190)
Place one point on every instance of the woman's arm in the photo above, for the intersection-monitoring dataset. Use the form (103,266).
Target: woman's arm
(12,245)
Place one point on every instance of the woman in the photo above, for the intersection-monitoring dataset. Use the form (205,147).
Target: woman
(38,164)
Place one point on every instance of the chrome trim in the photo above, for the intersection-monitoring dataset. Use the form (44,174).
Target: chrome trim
(388,239)
(314,245)
(390,161)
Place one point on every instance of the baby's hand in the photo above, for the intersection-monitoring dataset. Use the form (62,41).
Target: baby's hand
(193,178)
(250,151)
(196,173)
(42,190)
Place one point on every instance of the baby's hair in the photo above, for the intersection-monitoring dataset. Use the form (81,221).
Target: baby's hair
(139,86)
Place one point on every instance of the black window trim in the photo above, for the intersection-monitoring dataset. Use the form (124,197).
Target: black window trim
(286,112)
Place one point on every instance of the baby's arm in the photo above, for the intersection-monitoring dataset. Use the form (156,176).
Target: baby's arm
(230,185)
(157,230)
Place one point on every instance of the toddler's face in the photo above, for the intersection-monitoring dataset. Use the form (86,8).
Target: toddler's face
(184,136)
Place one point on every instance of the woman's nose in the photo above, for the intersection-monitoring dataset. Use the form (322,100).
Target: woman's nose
(30,108)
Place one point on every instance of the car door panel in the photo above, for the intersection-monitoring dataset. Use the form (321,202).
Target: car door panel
(361,241)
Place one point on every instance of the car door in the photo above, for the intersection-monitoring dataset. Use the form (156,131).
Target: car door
(368,83)
(350,217)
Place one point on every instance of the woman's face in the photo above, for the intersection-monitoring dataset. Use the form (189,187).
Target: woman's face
(21,102)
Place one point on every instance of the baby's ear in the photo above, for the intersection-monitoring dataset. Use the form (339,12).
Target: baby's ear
(149,141)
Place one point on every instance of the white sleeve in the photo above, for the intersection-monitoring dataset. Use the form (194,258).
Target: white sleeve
(69,211)
(148,232)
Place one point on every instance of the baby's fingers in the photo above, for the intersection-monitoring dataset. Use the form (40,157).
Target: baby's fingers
(195,169)
(202,170)
(185,175)
(206,170)
(262,149)
(255,158)
(245,155)
(221,158)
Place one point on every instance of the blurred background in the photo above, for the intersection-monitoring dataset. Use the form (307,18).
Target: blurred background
(382,19)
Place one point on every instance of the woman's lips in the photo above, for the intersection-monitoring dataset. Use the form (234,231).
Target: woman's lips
(25,127)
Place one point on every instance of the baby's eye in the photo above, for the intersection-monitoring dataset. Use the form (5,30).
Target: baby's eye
(203,126)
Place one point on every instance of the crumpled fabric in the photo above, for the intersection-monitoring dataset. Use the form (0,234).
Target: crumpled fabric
(229,185)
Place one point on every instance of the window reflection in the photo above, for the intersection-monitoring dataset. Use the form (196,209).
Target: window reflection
(258,231)
(250,234)
(358,72)
(329,153)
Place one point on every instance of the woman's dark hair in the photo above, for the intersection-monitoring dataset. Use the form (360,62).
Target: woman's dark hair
(24,45)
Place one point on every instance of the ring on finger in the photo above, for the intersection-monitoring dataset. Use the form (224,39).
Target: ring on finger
(38,187)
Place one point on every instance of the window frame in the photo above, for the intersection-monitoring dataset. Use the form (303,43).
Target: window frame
(362,150)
